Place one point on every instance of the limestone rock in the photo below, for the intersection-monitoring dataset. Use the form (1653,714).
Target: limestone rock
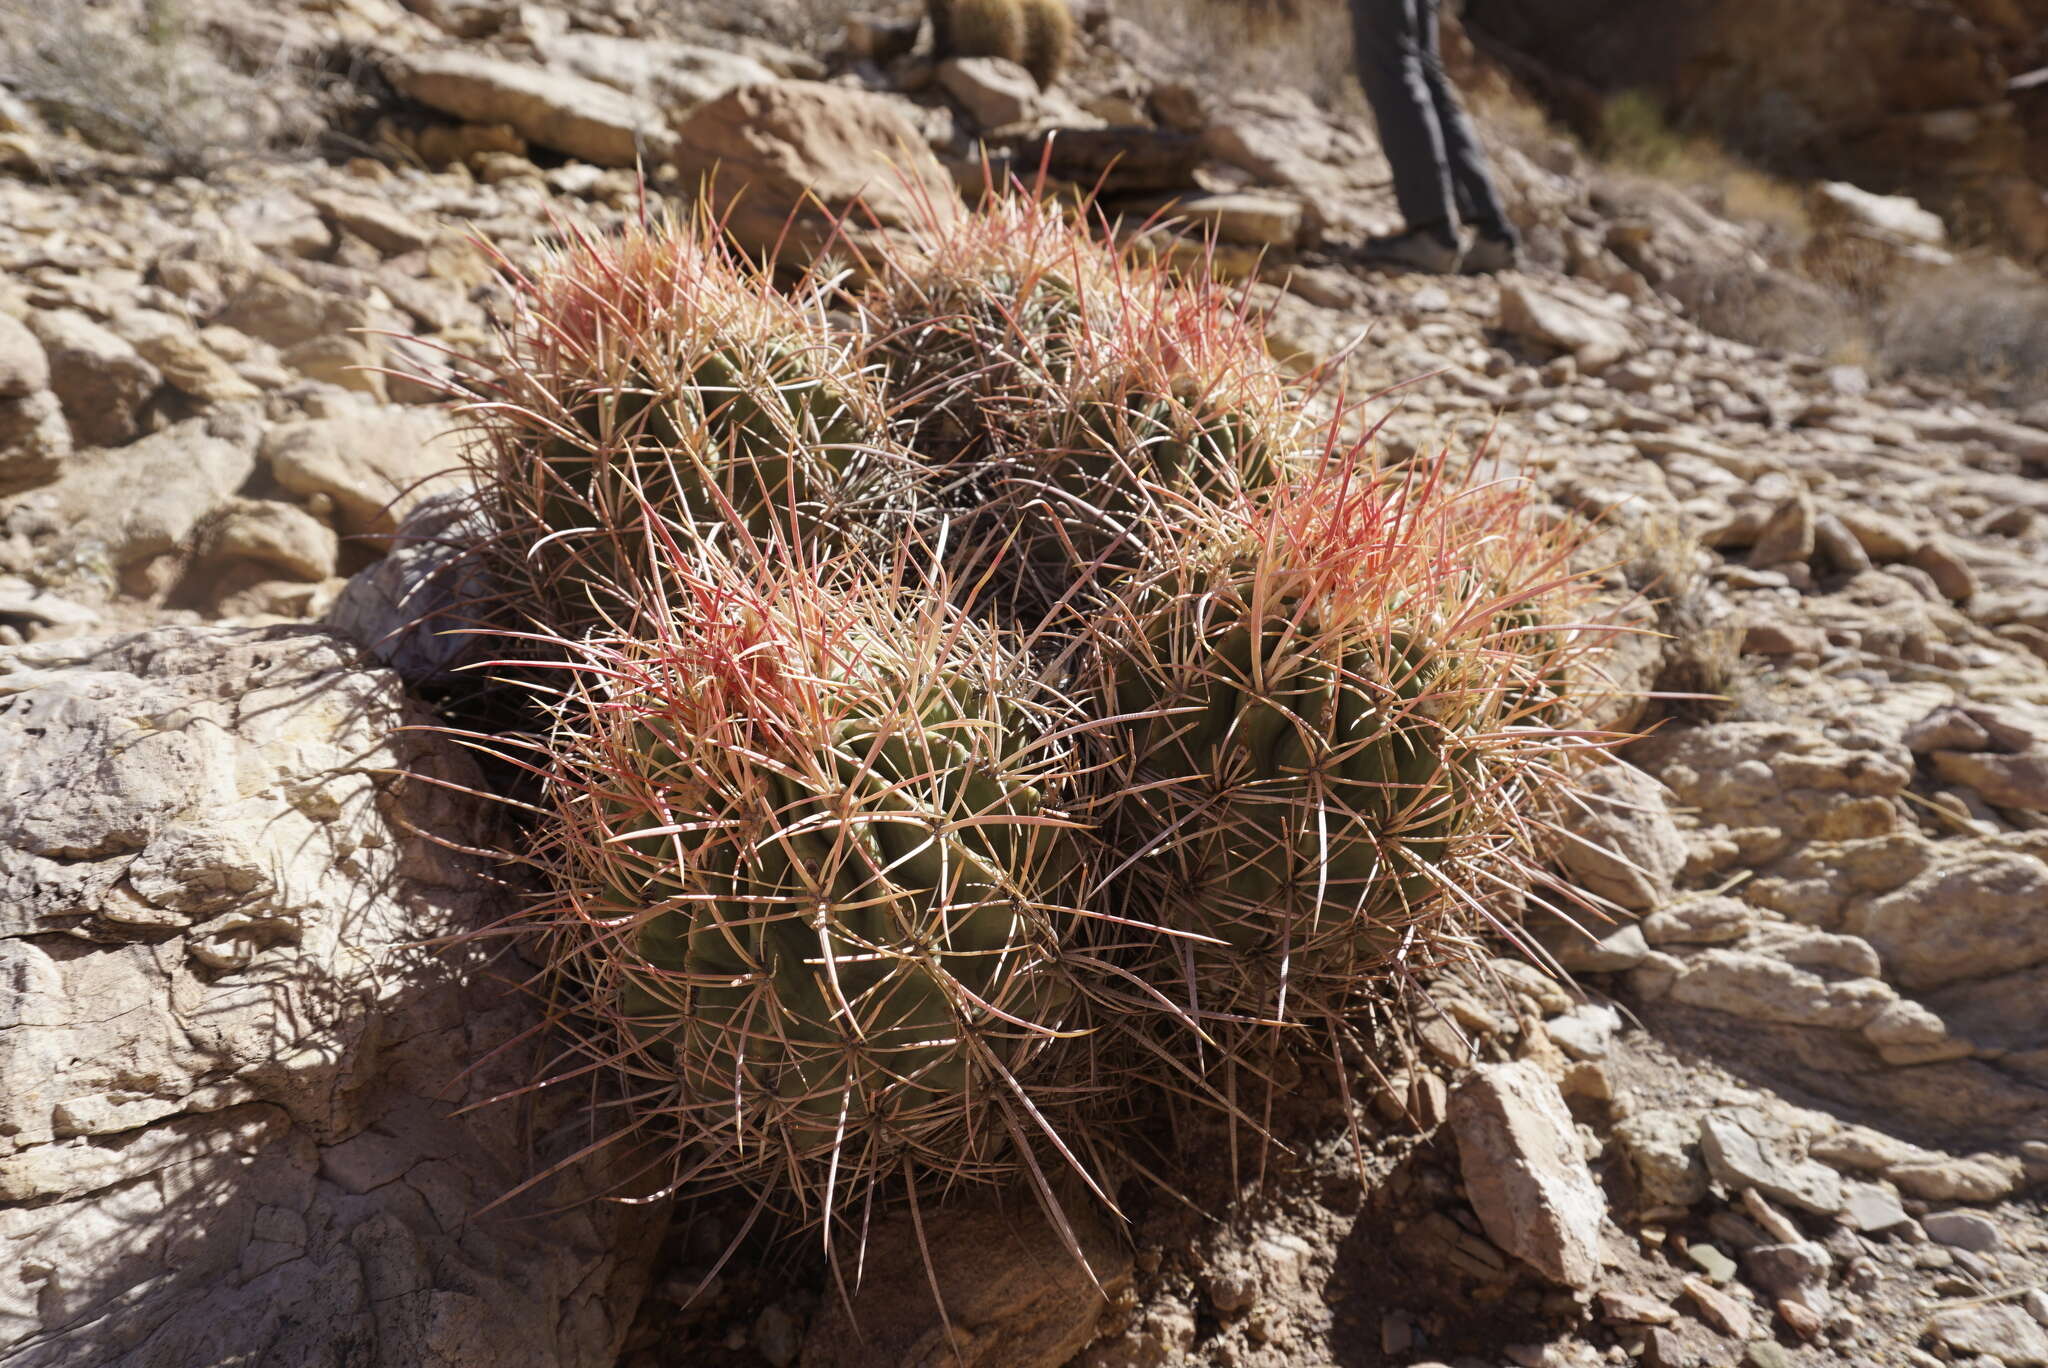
(2002,1332)
(573,116)
(384,226)
(185,362)
(1969,1178)
(1620,842)
(1700,921)
(1014,1296)
(376,463)
(673,77)
(409,608)
(228,1136)
(2010,781)
(1971,1230)
(779,155)
(1764,987)
(345,361)
(1242,216)
(1898,218)
(34,440)
(1525,1172)
(24,369)
(994,90)
(1748,1148)
(106,514)
(1663,1152)
(275,306)
(101,379)
(1973,915)
(280,536)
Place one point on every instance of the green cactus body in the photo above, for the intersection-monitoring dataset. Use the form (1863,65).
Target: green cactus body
(1294,787)
(755,440)
(854,940)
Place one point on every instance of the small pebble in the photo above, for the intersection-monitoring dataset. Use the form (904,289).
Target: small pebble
(1711,1262)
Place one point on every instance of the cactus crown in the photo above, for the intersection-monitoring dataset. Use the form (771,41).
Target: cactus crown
(848,879)
(1329,733)
(811,871)
(662,387)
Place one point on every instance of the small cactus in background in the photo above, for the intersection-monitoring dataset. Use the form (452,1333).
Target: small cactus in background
(1048,39)
(1035,34)
(661,383)
(810,871)
(1331,750)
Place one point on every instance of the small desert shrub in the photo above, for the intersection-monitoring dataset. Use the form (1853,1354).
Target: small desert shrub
(1772,308)
(139,79)
(1981,322)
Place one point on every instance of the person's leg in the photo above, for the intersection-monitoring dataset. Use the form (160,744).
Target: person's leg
(1464,159)
(1387,36)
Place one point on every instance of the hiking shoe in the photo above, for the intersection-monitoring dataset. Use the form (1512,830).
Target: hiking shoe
(1418,249)
(1488,253)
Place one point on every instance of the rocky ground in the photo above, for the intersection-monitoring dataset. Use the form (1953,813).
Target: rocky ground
(1793,1111)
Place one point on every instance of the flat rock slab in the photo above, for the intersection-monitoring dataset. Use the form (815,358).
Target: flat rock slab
(1745,1149)
(1525,1173)
(2004,1332)
(1596,339)
(577,117)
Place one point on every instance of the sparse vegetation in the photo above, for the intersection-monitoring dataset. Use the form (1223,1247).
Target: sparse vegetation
(139,79)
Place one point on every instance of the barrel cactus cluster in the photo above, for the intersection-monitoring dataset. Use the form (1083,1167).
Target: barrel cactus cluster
(966,684)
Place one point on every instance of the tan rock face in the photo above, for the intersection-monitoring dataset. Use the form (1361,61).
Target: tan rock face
(779,156)
(98,376)
(574,116)
(23,367)
(1013,1296)
(374,463)
(1622,843)
(34,440)
(116,508)
(230,1111)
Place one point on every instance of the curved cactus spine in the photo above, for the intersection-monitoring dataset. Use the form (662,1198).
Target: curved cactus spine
(812,874)
(1333,755)
(658,376)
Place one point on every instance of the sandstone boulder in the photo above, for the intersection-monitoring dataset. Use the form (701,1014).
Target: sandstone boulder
(673,77)
(1621,842)
(1526,1173)
(779,157)
(1013,1295)
(100,378)
(24,369)
(34,440)
(114,508)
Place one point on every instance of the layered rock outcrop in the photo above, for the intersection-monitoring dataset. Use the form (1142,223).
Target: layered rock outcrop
(234,1056)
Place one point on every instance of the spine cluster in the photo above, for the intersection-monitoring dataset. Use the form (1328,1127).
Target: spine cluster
(997,691)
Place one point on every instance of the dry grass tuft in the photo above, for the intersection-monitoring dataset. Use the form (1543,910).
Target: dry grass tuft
(137,77)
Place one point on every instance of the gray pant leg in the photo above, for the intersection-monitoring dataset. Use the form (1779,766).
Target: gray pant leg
(1388,38)
(1478,201)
